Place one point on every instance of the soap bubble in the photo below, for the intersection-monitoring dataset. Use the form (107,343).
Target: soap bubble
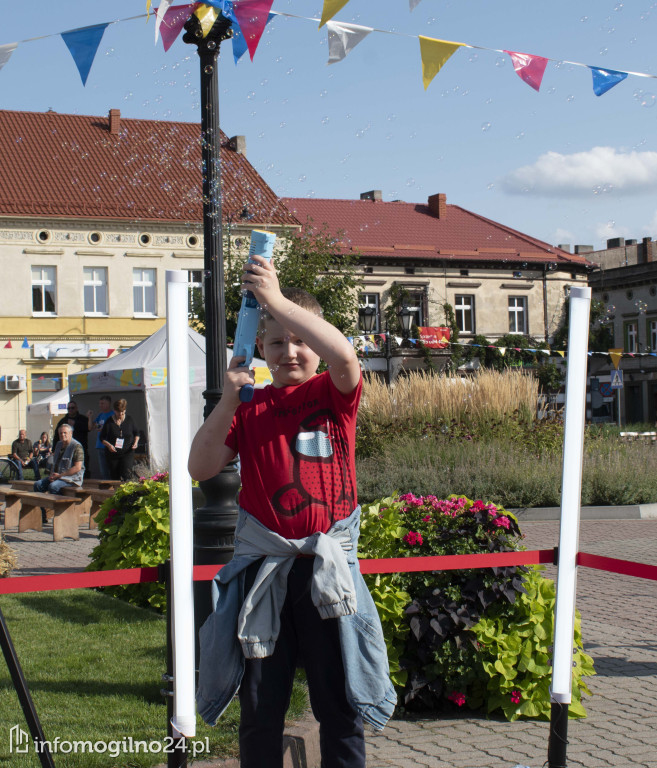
(500,61)
(325,120)
(584,19)
(485,126)
(251,95)
(603,51)
(323,93)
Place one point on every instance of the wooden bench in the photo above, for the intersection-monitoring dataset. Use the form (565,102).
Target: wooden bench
(11,498)
(104,485)
(66,512)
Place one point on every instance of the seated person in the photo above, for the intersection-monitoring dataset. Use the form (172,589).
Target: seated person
(43,450)
(22,455)
(67,468)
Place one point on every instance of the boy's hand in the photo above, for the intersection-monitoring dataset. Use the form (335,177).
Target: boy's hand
(261,278)
(236,377)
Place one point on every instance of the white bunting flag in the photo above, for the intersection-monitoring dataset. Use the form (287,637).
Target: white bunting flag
(159,16)
(5,53)
(343,38)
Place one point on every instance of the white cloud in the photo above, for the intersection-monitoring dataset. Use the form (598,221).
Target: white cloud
(599,171)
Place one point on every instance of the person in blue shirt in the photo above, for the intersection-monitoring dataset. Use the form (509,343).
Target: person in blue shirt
(105,405)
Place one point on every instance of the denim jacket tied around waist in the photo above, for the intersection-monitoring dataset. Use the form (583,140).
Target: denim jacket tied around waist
(247,627)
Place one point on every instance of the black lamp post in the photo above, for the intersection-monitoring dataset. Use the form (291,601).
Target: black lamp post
(367,318)
(214,523)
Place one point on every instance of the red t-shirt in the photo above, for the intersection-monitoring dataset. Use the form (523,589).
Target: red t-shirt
(296,447)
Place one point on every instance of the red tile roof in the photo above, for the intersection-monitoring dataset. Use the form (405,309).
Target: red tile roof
(71,165)
(409,231)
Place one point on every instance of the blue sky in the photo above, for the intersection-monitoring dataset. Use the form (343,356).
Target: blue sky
(561,164)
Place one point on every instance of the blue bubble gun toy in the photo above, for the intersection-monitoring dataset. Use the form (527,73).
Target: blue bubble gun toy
(262,243)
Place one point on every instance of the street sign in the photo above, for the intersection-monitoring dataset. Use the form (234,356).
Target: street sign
(617,379)
(606,389)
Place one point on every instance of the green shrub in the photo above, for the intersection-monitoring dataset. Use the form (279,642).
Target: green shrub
(133,530)
(477,637)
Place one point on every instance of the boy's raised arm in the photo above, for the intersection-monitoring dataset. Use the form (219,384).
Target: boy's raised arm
(209,453)
(322,337)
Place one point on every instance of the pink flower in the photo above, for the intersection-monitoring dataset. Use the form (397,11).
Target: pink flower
(412,538)
(502,522)
(426,518)
(457,698)
(110,515)
(477,506)
(516,697)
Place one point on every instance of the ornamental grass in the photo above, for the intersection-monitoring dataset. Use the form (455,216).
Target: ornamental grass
(426,397)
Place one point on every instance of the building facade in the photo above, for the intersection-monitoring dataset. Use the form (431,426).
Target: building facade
(498,281)
(93,211)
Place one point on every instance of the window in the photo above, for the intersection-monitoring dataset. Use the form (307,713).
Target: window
(370,300)
(464,310)
(652,335)
(143,291)
(415,302)
(44,290)
(517,314)
(631,336)
(44,384)
(95,290)
(195,291)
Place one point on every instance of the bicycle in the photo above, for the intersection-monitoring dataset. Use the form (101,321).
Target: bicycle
(8,471)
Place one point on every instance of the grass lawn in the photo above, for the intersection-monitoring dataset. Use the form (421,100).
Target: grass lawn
(94,665)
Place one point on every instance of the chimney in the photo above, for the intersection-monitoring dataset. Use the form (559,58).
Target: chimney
(564,247)
(238,144)
(615,242)
(114,121)
(438,205)
(648,249)
(373,194)
(583,248)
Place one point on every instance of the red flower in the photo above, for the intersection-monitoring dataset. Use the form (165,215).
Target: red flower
(516,697)
(457,698)
(412,538)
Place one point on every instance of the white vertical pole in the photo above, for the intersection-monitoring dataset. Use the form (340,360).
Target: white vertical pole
(180,505)
(571,494)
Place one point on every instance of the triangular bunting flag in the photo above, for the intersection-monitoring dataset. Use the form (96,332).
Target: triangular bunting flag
(434,54)
(83,44)
(605,79)
(398,340)
(331,7)
(343,38)
(25,344)
(174,21)
(45,352)
(8,345)
(252,16)
(109,352)
(413,3)
(502,351)
(160,13)
(207,15)
(5,53)
(529,68)
(560,352)
(615,355)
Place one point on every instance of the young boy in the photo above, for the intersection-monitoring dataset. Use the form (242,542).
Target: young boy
(293,591)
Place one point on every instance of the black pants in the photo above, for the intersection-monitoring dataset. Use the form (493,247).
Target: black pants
(120,465)
(267,684)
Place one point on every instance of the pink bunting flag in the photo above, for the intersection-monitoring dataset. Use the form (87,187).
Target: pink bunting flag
(173,21)
(8,345)
(529,68)
(252,17)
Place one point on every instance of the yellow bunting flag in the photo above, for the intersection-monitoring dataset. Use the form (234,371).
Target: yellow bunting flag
(331,7)
(561,352)
(615,355)
(207,15)
(434,55)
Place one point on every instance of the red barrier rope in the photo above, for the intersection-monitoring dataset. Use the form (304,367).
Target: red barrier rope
(86,579)
(611,564)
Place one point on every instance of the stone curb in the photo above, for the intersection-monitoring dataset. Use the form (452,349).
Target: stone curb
(623,512)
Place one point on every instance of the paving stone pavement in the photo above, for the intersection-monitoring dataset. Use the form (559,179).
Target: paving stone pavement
(619,630)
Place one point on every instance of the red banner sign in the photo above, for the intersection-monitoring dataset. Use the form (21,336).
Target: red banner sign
(434,338)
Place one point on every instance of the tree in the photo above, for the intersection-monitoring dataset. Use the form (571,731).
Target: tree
(601,336)
(306,260)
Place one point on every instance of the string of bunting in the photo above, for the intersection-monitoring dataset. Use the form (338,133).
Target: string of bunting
(438,338)
(250,17)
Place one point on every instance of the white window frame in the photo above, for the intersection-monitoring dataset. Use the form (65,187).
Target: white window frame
(47,277)
(144,280)
(370,300)
(193,285)
(518,311)
(652,335)
(464,306)
(632,334)
(96,279)
(416,309)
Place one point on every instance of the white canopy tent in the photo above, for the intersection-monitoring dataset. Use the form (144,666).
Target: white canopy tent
(139,375)
(44,414)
